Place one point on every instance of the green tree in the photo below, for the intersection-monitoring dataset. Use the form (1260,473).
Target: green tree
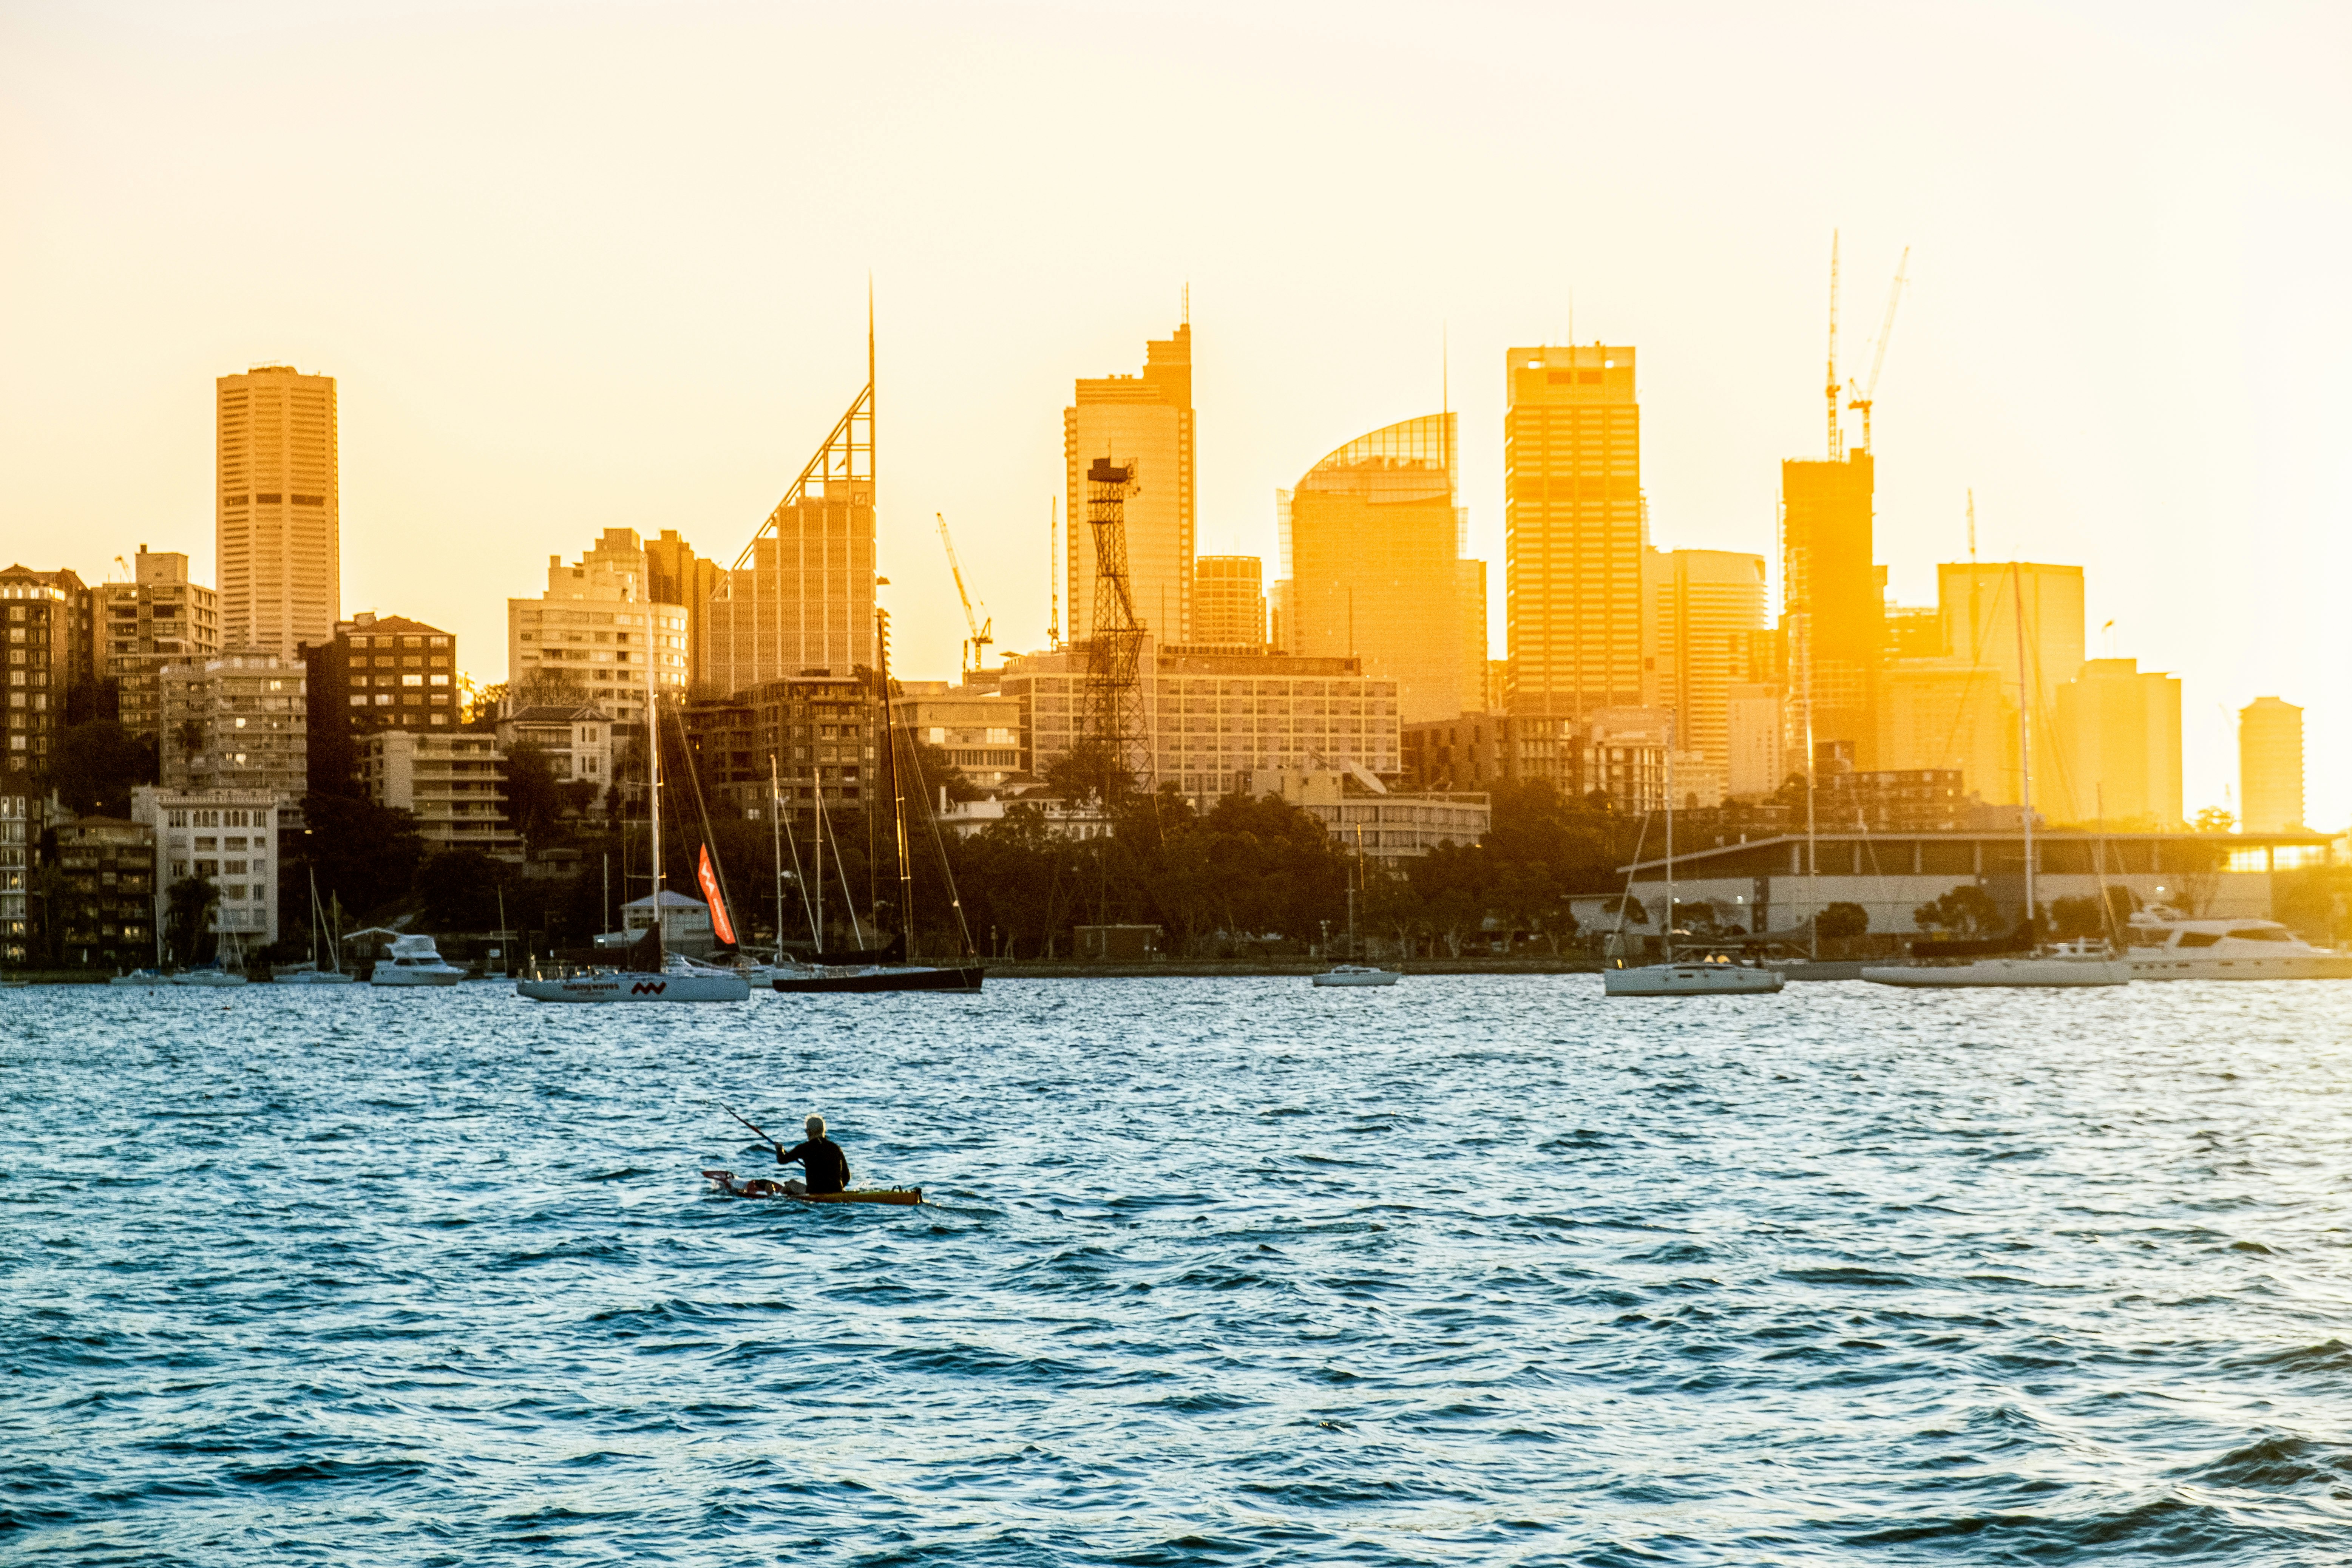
(96,767)
(1840,921)
(188,903)
(460,890)
(534,806)
(366,854)
(1966,910)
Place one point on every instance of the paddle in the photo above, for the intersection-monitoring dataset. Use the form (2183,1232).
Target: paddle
(753,1126)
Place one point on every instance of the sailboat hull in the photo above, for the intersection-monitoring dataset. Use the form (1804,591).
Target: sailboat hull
(1690,979)
(638,987)
(965,978)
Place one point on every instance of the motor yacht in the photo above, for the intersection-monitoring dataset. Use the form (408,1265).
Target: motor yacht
(1357,974)
(2166,947)
(413,961)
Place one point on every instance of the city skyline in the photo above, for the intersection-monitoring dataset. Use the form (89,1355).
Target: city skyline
(515,436)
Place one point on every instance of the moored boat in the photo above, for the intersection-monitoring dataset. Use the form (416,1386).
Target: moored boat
(413,961)
(2069,963)
(2166,947)
(1356,974)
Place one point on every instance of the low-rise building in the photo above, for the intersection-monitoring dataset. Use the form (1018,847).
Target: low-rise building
(686,923)
(980,730)
(1384,825)
(104,908)
(577,740)
(1480,749)
(816,731)
(228,838)
(20,829)
(455,785)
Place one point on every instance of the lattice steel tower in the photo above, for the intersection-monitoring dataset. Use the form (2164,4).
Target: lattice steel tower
(1115,639)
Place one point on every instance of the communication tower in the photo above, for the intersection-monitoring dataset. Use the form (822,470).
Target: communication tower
(1114,716)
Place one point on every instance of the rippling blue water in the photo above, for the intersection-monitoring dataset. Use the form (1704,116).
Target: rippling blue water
(1474,1270)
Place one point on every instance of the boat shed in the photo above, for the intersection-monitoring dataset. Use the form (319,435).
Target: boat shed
(1766,883)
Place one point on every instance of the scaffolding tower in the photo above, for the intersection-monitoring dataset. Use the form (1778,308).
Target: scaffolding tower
(1114,713)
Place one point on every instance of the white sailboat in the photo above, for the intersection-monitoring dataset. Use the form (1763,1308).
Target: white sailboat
(333,973)
(2069,963)
(1348,974)
(1712,974)
(648,974)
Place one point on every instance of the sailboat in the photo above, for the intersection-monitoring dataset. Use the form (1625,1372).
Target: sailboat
(888,969)
(2011,960)
(333,973)
(1356,973)
(647,972)
(1710,975)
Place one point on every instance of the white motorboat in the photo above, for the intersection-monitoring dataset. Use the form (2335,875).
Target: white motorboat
(1357,974)
(1688,977)
(2164,947)
(413,961)
(2065,964)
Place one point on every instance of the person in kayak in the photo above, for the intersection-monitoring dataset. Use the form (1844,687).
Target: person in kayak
(820,1157)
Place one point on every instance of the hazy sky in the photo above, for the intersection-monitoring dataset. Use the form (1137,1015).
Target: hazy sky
(578,266)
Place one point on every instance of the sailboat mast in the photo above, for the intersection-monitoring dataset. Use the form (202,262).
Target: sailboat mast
(1666,938)
(776,847)
(652,767)
(2024,744)
(897,807)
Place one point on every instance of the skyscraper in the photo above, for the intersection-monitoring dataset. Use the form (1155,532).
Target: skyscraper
(1229,602)
(1145,423)
(592,635)
(1706,608)
(2269,765)
(1372,568)
(1833,607)
(277,509)
(2117,756)
(1573,531)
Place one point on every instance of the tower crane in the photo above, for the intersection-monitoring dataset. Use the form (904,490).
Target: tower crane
(982,629)
(1864,395)
(1833,389)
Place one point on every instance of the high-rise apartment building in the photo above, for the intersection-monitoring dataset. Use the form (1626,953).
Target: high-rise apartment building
(1833,601)
(1145,423)
(140,627)
(1944,714)
(2117,759)
(452,783)
(80,666)
(278,530)
(1229,603)
(229,837)
(592,636)
(1706,608)
(675,574)
(377,672)
(1979,603)
(1373,567)
(2270,766)
(1573,528)
(39,618)
(237,721)
(1754,740)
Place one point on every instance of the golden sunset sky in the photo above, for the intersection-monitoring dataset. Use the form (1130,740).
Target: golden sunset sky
(579,265)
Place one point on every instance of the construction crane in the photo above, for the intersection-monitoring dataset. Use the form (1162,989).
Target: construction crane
(981,629)
(1834,444)
(1862,396)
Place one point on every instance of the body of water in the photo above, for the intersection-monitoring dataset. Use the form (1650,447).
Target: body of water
(1474,1270)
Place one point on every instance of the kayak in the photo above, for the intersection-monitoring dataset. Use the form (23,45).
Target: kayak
(903,1197)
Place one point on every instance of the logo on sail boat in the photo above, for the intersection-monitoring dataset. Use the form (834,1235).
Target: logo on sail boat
(644,987)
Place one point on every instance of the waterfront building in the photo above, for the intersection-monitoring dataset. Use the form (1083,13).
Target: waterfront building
(140,629)
(103,907)
(232,838)
(1373,567)
(1575,530)
(1229,603)
(278,530)
(238,721)
(575,738)
(1385,824)
(591,636)
(40,615)
(1706,606)
(2117,758)
(453,784)
(377,672)
(1762,882)
(1832,601)
(1947,713)
(1977,601)
(1213,719)
(2269,765)
(20,830)
(1145,423)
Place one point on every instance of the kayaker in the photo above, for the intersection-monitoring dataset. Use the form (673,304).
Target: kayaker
(820,1157)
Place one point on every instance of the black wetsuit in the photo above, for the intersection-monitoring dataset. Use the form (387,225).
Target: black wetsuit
(827,1167)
